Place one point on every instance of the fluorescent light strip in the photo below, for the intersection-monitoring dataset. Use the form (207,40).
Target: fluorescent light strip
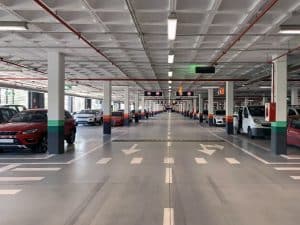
(170,59)
(172,26)
(170,73)
(289,31)
(13,26)
(209,87)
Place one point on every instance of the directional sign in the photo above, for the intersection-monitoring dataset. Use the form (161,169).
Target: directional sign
(131,150)
(210,149)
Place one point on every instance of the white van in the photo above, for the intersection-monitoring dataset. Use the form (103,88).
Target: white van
(252,121)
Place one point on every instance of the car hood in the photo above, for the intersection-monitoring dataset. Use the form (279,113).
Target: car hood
(21,126)
(85,115)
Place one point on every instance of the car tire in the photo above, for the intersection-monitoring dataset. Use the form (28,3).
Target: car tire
(250,135)
(71,138)
(42,146)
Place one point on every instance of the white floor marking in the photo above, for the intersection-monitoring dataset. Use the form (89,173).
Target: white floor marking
(8,167)
(290,156)
(287,168)
(200,161)
(21,178)
(169,160)
(136,161)
(9,192)
(28,158)
(169,176)
(37,169)
(232,161)
(295,177)
(168,216)
(131,150)
(104,161)
(207,152)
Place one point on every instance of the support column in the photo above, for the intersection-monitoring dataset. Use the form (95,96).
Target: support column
(56,100)
(107,108)
(229,107)
(246,102)
(279,88)
(210,106)
(194,107)
(126,106)
(294,96)
(264,100)
(142,107)
(136,107)
(201,108)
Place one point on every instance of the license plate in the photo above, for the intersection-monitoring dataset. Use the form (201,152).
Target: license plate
(6,141)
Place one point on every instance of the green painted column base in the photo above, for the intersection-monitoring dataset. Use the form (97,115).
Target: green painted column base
(278,137)
(56,137)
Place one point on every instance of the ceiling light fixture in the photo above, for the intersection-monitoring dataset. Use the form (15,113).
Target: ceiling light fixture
(170,87)
(170,73)
(13,26)
(171,58)
(210,87)
(265,87)
(172,26)
(289,29)
(170,82)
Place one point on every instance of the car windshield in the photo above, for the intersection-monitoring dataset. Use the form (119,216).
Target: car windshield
(220,112)
(258,111)
(29,117)
(87,112)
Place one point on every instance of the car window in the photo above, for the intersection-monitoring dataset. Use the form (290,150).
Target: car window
(29,117)
(20,108)
(5,115)
(257,111)
(295,124)
(291,112)
(220,112)
(67,115)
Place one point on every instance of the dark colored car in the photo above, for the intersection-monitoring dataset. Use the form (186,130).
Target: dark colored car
(293,132)
(18,108)
(117,118)
(28,129)
(6,114)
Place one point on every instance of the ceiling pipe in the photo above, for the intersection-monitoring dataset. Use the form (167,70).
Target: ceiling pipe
(238,38)
(21,66)
(78,34)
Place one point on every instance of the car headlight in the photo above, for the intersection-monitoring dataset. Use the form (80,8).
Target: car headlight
(257,121)
(32,131)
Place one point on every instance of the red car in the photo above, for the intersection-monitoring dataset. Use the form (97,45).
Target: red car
(28,129)
(293,132)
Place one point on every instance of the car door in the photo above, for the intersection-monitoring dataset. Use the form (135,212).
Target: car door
(246,120)
(69,123)
(293,133)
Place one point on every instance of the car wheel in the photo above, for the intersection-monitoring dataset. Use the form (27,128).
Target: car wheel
(41,147)
(250,135)
(71,138)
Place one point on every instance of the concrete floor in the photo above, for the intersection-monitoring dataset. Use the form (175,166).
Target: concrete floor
(167,170)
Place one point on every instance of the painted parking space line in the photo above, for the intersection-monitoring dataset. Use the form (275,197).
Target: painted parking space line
(28,158)
(104,161)
(200,161)
(287,168)
(232,161)
(136,161)
(27,169)
(9,192)
(168,216)
(2,179)
(169,160)
(290,156)
(295,177)
(8,167)
(169,176)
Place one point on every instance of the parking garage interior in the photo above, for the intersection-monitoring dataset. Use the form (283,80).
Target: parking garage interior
(130,112)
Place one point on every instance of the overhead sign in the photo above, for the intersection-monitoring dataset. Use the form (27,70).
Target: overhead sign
(205,69)
(185,93)
(152,93)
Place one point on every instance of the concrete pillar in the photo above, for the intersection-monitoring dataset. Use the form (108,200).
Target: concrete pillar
(136,106)
(194,105)
(210,106)
(70,103)
(264,100)
(201,108)
(107,108)
(279,128)
(246,102)
(56,100)
(143,106)
(294,96)
(229,106)
(126,106)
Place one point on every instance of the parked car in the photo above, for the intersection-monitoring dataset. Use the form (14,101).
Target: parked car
(6,114)
(18,108)
(28,129)
(117,118)
(252,121)
(293,111)
(219,118)
(89,116)
(293,132)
